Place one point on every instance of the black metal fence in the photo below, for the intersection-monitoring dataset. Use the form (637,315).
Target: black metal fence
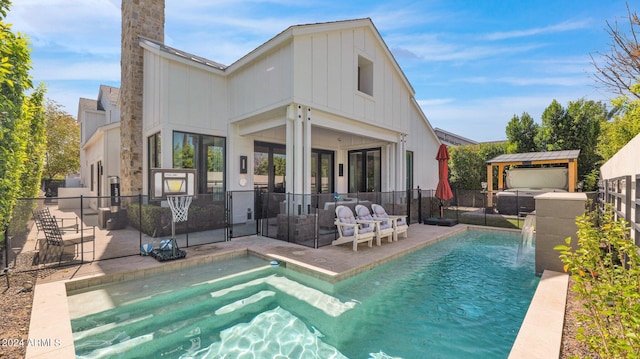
(125,223)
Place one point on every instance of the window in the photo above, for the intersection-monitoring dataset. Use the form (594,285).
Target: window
(155,154)
(207,155)
(409,169)
(365,170)
(321,171)
(269,167)
(92,177)
(365,76)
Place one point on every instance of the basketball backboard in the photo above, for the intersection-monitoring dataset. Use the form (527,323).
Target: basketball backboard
(173,182)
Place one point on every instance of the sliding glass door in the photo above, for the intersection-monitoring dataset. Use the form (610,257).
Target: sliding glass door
(270,165)
(322,171)
(365,170)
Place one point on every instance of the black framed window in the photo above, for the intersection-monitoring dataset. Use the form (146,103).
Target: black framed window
(269,166)
(322,170)
(207,154)
(92,177)
(365,173)
(155,153)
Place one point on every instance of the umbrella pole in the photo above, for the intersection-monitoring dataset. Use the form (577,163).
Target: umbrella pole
(441,210)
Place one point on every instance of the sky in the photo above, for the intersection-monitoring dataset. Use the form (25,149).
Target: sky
(473,64)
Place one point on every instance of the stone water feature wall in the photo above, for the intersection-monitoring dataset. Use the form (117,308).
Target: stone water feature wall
(555,221)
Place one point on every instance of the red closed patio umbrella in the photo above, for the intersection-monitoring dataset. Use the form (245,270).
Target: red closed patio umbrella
(443,191)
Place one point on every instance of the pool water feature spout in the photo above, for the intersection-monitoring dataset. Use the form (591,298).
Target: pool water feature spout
(528,234)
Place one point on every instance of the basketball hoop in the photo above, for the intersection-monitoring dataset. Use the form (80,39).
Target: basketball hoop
(179,210)
(179,207)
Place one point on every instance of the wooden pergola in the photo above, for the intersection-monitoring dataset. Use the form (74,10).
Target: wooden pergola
(569,157)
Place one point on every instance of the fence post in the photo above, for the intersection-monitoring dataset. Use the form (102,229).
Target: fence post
(140,221)
(409,198)
(484,206)
(420,218)
(82,231)
(6,247)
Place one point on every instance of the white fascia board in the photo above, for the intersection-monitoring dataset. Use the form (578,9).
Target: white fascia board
(426,120)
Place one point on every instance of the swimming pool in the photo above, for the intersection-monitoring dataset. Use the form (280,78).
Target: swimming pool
(465,296)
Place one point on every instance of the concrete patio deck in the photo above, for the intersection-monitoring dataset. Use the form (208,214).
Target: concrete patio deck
(50,324)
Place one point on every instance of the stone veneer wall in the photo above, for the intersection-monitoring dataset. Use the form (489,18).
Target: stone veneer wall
(139,18)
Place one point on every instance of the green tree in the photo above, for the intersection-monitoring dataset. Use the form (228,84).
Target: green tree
(553,130)
(35,152)
(15,64)
(616,133)
(521,133)
(575,128)
(183,152)
(468,164)
(63,142)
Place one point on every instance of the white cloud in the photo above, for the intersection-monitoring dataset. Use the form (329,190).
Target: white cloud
(91,26)
(551,29)
(426,103)
(70,71)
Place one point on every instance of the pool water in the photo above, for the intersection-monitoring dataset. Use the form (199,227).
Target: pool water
(462,297)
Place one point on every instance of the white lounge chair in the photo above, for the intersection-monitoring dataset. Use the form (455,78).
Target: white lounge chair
(383,228)
(399,223)
(353,231)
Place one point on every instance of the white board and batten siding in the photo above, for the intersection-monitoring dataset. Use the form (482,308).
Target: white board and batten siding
(261,85)
(325,68)
(186,96)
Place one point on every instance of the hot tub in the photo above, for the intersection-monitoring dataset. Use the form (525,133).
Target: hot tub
(514,201)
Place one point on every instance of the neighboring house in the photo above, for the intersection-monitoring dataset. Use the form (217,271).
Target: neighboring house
(451,139)
(99,142)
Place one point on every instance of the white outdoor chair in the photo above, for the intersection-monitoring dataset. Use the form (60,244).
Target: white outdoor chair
(384,228)
(353,231)
(399,223)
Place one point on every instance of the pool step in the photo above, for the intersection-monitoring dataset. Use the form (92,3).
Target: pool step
(148,305)
(206,311)
(177,335)
(330,305)
(138,324)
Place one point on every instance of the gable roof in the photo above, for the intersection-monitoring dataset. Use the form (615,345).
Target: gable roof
(304,29)
(87,104)
(110,92)
(284,36)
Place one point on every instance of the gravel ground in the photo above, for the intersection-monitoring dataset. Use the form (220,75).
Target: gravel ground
(16,302)
(571,347)
(15,308)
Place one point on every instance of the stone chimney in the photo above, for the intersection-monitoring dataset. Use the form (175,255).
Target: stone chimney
(139,18)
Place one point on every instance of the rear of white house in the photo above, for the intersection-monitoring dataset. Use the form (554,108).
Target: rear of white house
(319,108)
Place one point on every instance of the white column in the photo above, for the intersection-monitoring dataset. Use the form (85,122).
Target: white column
(297,152)
(401,163)
(387,160)
(291,116)
(306,190)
